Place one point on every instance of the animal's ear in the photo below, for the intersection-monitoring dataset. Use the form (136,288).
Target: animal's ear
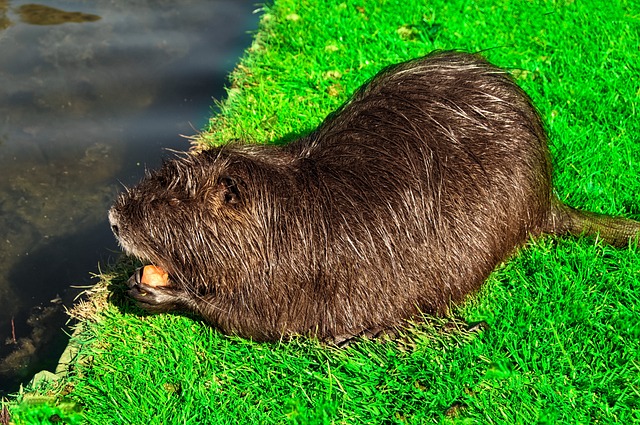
(229,190)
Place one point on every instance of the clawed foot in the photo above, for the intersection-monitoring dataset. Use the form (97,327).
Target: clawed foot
(343,341)
(154,299)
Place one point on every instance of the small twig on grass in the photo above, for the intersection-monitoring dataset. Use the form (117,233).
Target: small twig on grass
(13,331)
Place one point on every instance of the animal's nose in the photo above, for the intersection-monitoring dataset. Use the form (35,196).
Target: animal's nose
(113,220)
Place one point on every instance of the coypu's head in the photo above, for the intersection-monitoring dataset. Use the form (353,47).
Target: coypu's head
(195,217)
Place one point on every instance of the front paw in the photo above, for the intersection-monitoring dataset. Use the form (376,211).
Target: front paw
(154,299)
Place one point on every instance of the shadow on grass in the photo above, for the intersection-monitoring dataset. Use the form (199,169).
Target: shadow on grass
(291,137)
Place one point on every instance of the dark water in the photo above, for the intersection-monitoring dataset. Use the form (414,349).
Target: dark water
(90,94)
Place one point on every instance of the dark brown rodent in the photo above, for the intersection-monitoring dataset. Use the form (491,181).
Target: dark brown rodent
(401,202)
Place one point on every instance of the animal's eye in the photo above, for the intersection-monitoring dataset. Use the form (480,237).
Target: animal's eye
(229,190)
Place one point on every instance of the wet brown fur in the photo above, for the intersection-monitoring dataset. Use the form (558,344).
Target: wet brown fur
(401,202)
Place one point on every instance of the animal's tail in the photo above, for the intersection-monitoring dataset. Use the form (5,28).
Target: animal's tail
(615,231)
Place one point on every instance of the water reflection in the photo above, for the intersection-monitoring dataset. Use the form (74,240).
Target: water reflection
(4,20)
(85,104)
(39,14)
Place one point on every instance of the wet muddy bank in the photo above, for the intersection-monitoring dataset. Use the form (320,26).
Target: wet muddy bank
(94,92)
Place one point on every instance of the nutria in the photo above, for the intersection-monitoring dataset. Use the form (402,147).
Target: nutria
(401,202)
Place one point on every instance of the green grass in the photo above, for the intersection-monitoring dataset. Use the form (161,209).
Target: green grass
(563,337)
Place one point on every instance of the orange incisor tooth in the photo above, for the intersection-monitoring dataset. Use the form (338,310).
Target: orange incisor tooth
(154,276)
